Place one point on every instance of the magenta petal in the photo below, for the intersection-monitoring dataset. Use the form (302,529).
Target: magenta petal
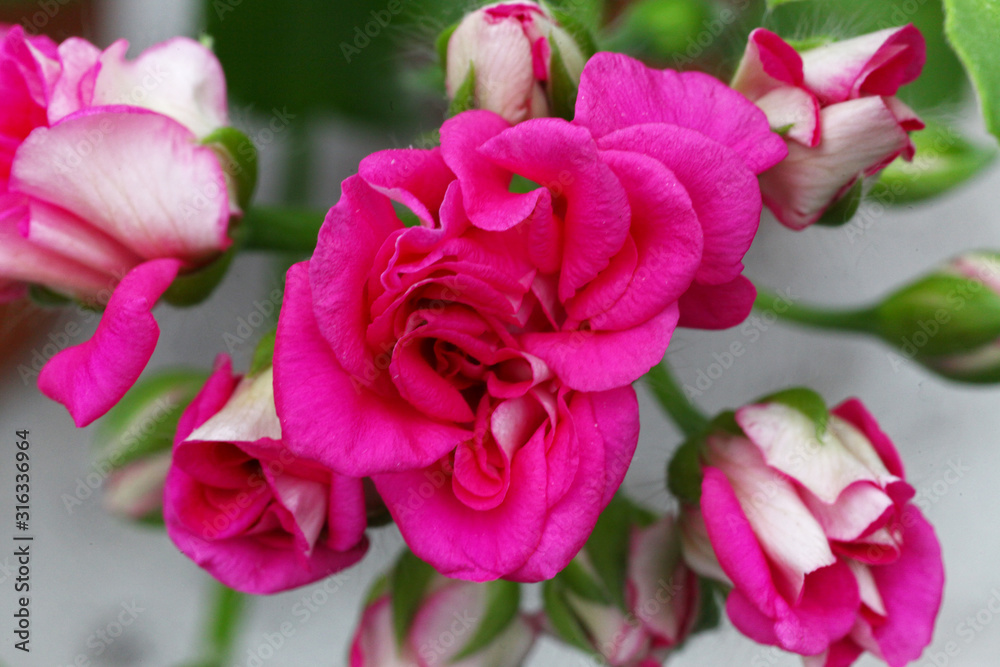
(90,378)
(607,427)
(617,92)
(418,179)
(724,192)
(911,589)
(485,186)
(592,360)
(217,390)
(350,238)
(769,62)
(564,159)
(717,306)
(329,416)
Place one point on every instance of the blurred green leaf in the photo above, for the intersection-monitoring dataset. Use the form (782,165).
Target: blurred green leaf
(409,579)
(503,601)
(771,4)
(684,474)
(563,620)
(944,160)
(973,28)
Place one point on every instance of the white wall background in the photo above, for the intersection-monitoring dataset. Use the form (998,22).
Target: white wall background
(86,564)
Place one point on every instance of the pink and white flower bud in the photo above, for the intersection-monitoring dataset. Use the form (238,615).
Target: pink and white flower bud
(661,597)
(108,193)
(836,107)
(243,507)
(813,528)
(136,491)
(508,46)
(448,618)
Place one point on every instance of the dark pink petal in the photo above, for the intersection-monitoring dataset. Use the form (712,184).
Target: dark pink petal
(333,418)
(841,654)
(417,179)
(723,191)
(768,63)
(90,378)
(213,395)
(911,589)
(617,92)
(874,64)
(592,361)
(349,240)
(607,428)
(717,306)
(666,239)
(486,186)
(564,159)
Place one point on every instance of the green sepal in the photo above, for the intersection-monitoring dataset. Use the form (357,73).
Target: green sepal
(709,607)
(563,620)
(845,208)
(503,602)
(576,578)
(46,298)
(441,44)
(684,473)
(145,420)
(809,43)
(409,580)
(239,159)
(577,30)
(263,354)
(563,89)
(944,160)
(192,288)
(972,27)
(608,545)
(465,96)
(806,401)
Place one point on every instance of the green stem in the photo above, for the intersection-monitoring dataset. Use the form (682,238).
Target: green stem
(671,396)
(224,624)
(276,229)
(858,320)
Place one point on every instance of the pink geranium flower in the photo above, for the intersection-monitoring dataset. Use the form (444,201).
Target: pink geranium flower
(106,193)
(837,108)
(242,506)
(477,365)
(826,555)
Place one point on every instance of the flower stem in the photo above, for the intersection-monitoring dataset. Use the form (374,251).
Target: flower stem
(858,320)
(671,396)
(222,626)
(274,229)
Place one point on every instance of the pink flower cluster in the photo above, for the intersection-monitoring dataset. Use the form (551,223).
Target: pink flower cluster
(107,193)
(477,364)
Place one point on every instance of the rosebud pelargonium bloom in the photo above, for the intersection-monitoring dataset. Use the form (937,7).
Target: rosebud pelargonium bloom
(812,526)
(445,624)
(508,50)
(107,192)
(661,601)
(836,105)
(478,365)
(242,506)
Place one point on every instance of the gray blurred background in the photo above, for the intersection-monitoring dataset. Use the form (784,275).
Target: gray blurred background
(87,565)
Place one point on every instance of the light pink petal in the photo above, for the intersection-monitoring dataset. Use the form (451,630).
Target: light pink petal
(485,186)
(617,92)
(90,378)
(723,191)
(591,360)
(858,135)
(664,591)
(213,395)
(21,260)
(795,112)
(768,64)
(564,159)
(717,306)
(374,643)
(666,240)
(74,90)
(854,412)
(911,589)
(350,238)
(178,78)
(138,176)
(874,64)
(418,179)
(607,426)
(329,416)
